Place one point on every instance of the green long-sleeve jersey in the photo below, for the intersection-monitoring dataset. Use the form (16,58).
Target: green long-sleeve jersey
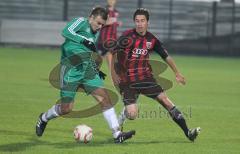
(74,33)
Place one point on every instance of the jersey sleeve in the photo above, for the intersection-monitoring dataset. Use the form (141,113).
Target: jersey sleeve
(70,31)
(158,47)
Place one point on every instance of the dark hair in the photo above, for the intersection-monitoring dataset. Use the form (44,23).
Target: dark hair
(141,11)
(99,11)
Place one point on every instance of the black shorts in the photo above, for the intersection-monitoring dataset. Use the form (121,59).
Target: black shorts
(130,91)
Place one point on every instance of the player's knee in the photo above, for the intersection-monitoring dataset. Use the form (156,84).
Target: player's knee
(102,97)
(131,111)
(163,97)
(165,101)
(105,103)
(66,108)
(131,115)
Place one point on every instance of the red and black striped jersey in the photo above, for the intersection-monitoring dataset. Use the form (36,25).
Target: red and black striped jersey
(133,55)
(108,32)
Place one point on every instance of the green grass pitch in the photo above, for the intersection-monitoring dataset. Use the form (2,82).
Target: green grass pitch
(211,99)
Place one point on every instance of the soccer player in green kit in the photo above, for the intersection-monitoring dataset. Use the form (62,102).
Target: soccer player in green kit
(79,69)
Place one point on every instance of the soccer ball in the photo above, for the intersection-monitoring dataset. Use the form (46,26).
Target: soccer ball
(83,133)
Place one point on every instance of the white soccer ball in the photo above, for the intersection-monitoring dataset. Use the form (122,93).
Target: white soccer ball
(83,133)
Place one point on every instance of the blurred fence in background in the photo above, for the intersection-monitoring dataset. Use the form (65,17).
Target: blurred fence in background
(184,26)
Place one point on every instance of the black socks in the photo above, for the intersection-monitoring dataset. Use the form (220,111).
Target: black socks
(179,119)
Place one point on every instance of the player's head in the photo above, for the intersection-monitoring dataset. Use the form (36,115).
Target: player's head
(97,18)
(111,3)
(141,17)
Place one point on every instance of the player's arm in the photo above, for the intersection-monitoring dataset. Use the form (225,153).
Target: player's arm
(179,77)
(111,57)
(110,60)
(70,31)
(169,60)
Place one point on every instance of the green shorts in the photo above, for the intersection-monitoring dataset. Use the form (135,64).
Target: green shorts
(83,77)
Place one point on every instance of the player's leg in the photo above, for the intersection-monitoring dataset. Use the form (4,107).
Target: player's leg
(64,106)
(129,112)
(130,109)
(108,111)
(151,89)
(54,112)
(109,114)
(177,116)
(94,87)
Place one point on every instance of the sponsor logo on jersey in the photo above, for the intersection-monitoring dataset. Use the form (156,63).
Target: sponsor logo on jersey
(137,52)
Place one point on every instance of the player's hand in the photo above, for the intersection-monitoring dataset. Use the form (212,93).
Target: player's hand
(102,75)
(90,45)
(180,79)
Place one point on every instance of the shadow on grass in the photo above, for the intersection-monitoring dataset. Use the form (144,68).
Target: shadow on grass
(33,141)
(21,146)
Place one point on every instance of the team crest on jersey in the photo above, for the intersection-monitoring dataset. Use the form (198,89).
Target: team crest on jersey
(148,45)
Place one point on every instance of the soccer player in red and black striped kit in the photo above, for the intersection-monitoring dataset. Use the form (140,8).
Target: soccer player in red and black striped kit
(108,35)
(136,76)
